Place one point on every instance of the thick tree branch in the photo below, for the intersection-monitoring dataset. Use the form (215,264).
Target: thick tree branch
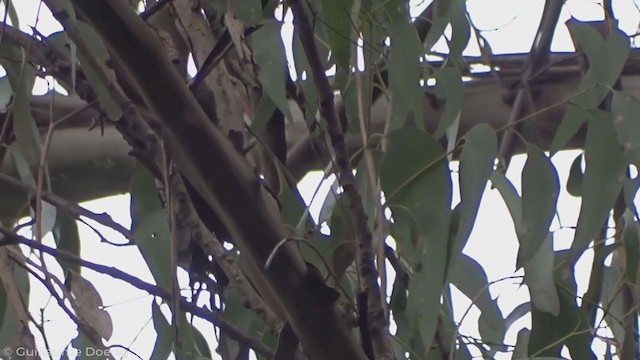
(223,178)
(377,324)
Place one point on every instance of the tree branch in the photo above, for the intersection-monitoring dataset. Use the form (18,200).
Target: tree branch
(223,178)
(377,324)
(11,238)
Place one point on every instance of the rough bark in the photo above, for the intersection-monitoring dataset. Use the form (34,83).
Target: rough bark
(226,181)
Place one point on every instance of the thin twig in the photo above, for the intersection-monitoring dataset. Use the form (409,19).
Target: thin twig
(203,313)
(69,207)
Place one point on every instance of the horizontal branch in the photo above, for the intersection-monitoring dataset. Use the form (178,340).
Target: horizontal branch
(87,165)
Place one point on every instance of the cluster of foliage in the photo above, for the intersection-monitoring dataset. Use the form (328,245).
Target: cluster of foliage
(213,161)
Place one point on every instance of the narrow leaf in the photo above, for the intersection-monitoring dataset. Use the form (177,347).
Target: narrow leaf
(540,190)
(269,54)
(404,71)
(603,180)
(625,109)
(470,278)
(476,166)
(339,25)
(418,191)
(538,275)
(576,177)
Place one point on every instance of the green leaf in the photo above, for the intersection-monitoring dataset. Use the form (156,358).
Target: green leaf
(540,190)
(154,242)
(236,314)
(516,314)
(444,12)
(460,31)
(150,227)
(339,30)
(60,41)
(21,76)
(569,126)
(99,50)
(603,180)
(189,348)
(200,343)
(538,275)
(450,88)
(625,109)
(13,15)
(576,177)
(522,344)
(404,74)
(144,195)
(510,196)
(269,54)
(612,301)
(476,165)
(470,278)
(248,11)
(606,59)
(264,111)
(631,236)
(418,191)
(165,335)
(67,239)
(571,327)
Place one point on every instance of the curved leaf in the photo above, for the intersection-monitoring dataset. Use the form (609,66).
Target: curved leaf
(625,109)
(606,59)
(269,54)
(418,191)
(538,275)
(470,278)
(510,196)
(404,74)
(576,177)
(165,336)
(450,88)
(149,224)
(603,180)
(339,27)
(540,190)
(476,166)
(248,11)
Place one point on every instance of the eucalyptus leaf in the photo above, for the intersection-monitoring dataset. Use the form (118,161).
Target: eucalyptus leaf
(606,59)
(625,109)
(339,25)
(540,191)
(538,275)
(603,180)
(576,177)
(476,166)
(418,189)
(269,54)
(248,11)
(450,88)
(165,335)
(470,278)
(404,74)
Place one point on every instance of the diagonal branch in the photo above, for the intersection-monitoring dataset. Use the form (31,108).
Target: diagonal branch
(537,62)
(225,180)
(368,271)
